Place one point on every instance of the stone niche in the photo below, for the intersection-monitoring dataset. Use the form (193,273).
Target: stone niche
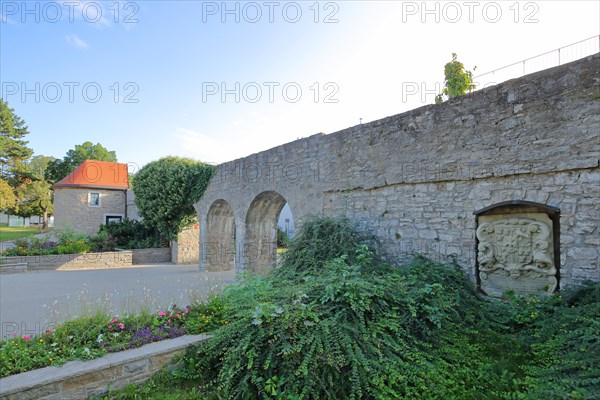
(518,248)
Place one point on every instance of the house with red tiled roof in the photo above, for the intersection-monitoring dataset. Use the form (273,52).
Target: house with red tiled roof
(95,193)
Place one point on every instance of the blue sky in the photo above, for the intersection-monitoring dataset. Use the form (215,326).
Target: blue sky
(146,78)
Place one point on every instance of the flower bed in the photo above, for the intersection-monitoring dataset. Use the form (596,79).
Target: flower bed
(125,235)
(93,337)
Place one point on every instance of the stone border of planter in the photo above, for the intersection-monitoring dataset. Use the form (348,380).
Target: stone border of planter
(84,379)
(13,268)
(113,259)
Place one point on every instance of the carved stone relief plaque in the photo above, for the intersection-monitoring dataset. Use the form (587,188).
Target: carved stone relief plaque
(516,252)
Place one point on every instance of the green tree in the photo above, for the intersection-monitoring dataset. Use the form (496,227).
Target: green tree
(38,164)
(166,190)
(7,196)
(13,155)
(13,149)
(35,197)
(58,169)
(457,80)
(283,239)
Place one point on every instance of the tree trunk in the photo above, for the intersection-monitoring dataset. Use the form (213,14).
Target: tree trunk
(45,217)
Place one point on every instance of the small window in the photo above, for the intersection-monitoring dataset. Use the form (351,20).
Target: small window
(113,218)
(94,200)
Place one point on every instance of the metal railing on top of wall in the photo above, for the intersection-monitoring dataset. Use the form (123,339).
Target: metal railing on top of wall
(549,59)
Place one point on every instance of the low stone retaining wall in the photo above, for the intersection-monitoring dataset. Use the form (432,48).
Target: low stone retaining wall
(85,379)
(13,268)
(113,259)
(151,256)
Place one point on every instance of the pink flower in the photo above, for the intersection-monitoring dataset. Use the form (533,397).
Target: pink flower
(162,313)
(27,338)
(169,320)
(115,319)
(110,327)
(187,310)
(122,325)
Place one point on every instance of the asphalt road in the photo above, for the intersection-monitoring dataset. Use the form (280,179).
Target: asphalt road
(31,303)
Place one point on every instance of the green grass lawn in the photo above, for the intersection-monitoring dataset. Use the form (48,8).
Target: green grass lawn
(7,233)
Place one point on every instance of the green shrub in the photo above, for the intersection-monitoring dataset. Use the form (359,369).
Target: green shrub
(65,241)
(563,337)
(283,240)
(102,241)
(129,234)
(69,235)
(166,190)
(335,322)
(76,247)
(321,239)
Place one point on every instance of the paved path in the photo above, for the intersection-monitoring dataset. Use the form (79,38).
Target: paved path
(32,302)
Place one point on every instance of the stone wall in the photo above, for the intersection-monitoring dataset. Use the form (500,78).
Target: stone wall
(71,208)
(414,180)
(151,256)
(116,259)
(186,249)
(12,268)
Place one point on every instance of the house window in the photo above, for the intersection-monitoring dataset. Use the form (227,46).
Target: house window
(94,199)
(113,218)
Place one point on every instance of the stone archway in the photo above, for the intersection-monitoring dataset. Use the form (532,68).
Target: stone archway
(219,246)
(260,239)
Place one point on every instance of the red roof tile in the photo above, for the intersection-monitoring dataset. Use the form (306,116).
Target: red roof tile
(97,174)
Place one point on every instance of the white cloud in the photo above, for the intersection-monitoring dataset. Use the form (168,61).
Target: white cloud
(76,41)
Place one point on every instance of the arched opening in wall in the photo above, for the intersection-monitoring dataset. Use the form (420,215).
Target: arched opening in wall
(285,227)
(260,244)
(219,246)
(518,248)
